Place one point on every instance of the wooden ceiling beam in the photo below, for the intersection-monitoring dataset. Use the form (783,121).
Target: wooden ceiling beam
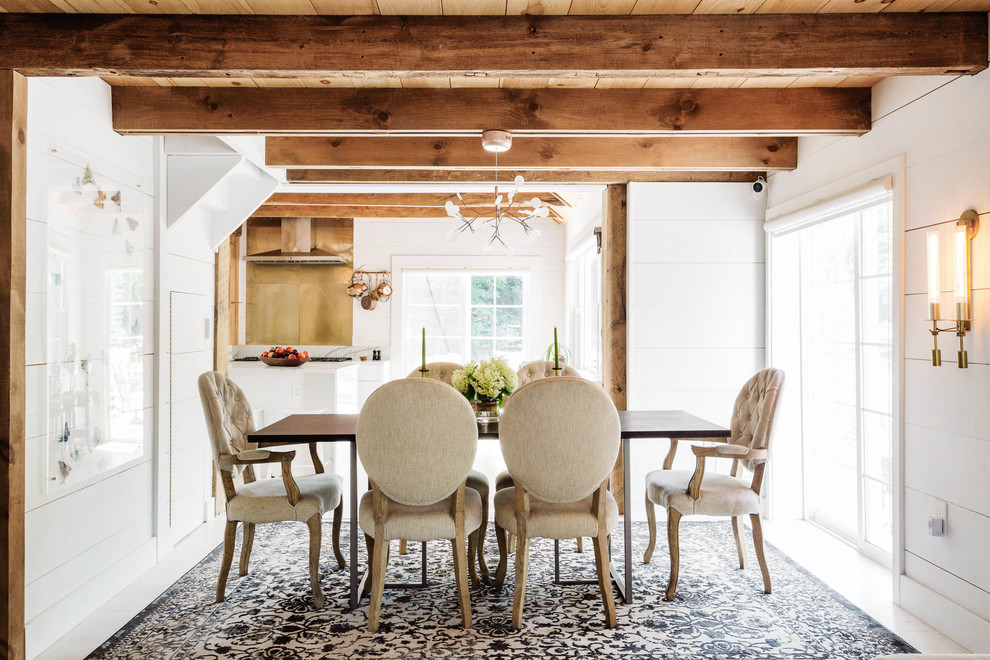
(559,177)
(504,46)
(577,153)
(415,199)
(367,211)
(227,110)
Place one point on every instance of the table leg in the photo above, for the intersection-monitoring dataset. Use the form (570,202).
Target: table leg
(624,581)
(354,528)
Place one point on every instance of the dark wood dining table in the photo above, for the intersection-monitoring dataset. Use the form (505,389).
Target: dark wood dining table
(635,424)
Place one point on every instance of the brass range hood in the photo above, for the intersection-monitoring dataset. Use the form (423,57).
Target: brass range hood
(297,247)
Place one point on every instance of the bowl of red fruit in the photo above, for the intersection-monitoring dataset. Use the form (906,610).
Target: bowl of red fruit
(277,356)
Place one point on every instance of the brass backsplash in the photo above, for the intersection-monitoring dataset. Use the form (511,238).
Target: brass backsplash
(300,303)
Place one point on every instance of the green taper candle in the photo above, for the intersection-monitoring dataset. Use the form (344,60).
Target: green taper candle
(556,350)
(424,350)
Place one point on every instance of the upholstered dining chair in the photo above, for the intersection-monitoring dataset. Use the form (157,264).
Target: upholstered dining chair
(542,369)
(444,372)
(526,374)
(560,439)
(417,439)
(304,499)
(683,492)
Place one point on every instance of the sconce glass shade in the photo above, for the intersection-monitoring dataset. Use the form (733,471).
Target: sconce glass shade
(934,286)
(960,269)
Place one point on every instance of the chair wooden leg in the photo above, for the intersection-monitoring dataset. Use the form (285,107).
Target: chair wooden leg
(246,542)
(503,556)
(482,531)
(472,552)
(737,533)
(402,547)
(522,571)
(460,571)
(604,577)
(379,564)
(673,521)
(229,536)
(580,544)
(370,543)
(651,522)
(511,544)
(338,516)
(758,543)
(315,525)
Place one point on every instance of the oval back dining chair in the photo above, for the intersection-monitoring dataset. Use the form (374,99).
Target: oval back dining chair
(560,439)
(304,499)
(444,372)
(683,492)
(417,439)
(527,374)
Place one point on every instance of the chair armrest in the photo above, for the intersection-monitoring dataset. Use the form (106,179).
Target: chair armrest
(668,460)
(261,456)
(736,452)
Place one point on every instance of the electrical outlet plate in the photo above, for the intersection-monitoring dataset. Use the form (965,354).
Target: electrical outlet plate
(939,509)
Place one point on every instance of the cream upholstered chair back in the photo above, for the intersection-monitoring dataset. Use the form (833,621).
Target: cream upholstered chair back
(417,439)
(559,437)
(442,371)
(542,369)
(754,411)
(228,416)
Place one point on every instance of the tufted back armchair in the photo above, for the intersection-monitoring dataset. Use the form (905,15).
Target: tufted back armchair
(228,416)
(753,412)
(442,371)
(542,369)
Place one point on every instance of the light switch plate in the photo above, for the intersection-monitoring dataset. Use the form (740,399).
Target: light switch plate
(939,509)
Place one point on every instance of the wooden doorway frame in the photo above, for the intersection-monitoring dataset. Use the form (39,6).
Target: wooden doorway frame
(13,259)
(614,310)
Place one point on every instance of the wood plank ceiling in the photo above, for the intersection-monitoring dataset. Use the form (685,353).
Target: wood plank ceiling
(594,91)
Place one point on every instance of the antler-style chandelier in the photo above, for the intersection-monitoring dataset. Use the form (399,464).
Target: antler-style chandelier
(506,207)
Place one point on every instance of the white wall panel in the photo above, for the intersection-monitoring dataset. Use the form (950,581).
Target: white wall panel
(714,284)
(736,241)
(947,398)
(932,454)
(962,551)
(679,326)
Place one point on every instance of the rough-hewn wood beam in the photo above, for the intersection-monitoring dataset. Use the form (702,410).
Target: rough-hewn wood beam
(531,176)
(507,46)
(583,153)
(289,211)
(801,111)
(416,199)
(614,269)
(13,269)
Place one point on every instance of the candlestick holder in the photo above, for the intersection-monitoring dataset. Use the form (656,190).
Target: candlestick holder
(557,370)
(423,372)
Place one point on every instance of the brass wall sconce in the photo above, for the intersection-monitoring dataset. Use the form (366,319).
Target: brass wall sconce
(962,238)
(370,287)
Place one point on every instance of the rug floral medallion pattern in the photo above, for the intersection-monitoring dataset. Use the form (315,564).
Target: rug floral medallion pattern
(719,612)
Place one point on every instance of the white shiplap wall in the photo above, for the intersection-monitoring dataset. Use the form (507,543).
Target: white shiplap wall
(695,308)
(939,126)
(82,543)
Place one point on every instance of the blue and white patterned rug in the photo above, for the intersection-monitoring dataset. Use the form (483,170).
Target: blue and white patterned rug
(719,611)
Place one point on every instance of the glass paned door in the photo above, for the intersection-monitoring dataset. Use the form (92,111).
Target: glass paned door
(846,374)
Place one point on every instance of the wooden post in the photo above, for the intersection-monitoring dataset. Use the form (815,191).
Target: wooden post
(614,312)
(221,339)
(13,256)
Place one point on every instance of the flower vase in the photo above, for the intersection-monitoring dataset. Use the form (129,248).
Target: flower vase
(486,411)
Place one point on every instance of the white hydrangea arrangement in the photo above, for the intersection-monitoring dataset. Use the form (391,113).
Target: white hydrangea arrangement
(489,380)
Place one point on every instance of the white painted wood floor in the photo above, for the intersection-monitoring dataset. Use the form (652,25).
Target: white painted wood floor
(861,580)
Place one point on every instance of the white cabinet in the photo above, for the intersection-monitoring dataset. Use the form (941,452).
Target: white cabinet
(370,376)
